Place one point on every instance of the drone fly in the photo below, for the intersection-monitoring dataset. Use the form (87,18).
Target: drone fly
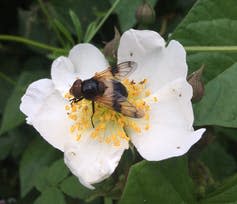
(106,88)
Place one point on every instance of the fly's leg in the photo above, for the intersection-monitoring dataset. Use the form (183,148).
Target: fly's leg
(93,111)
(75,100)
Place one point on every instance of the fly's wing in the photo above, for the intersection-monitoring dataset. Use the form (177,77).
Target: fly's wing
(123,70)
(116,101)
(119,72)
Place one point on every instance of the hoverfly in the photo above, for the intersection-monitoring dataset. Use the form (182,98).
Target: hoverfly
(105,88)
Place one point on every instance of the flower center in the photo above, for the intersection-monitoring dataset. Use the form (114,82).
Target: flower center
(109,125)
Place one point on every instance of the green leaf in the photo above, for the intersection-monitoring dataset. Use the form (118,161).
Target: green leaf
(41,183)
(227,132)
(5,90)
(216,156)
(220,101)
(77,25)
(51,195)
(126,11)
(214,63)
(225,194)
(57,172)
(85,10)
(36,157)
(51,176)
(89,31)
(72,187)
(6,143)
(14,143)
(159,182)
(64,31)
(209,23)
(12,117)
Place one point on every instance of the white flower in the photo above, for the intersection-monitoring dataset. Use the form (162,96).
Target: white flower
(158,86)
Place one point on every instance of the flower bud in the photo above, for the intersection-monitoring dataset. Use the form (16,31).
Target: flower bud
(145,14)
(196,82)
(110,49)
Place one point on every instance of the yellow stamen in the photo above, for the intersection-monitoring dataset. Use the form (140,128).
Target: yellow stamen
(147,127)
(108,140)
(147,93)
(73,117)
(109,124)
(73,108)
(116,143)
(68,96)
(73,128)
(78,137)
(67,107)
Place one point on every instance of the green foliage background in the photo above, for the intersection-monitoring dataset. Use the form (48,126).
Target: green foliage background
(31,171)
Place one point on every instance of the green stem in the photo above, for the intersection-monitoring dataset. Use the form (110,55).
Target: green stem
(108,200)
(31,43)
(211,48)
(63,51)
(8,79)
(103,20)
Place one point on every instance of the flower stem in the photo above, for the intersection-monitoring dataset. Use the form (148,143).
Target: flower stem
(103,20)
(211,48)
(31,43)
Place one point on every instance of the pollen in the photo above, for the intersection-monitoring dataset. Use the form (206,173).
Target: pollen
(68,96)
(72,128)
(73,117)
(148,93)
(67,107)
(147,127)
(109,125)
(78,137)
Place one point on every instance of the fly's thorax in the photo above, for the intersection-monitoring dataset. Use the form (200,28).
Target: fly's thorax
(90,89)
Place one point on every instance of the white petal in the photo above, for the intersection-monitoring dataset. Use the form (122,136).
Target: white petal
(63,74)
(171,133)
(136,43)
(174,105)
(87,60)
(45,110)
(92,161)
(164,142)
(157,63)
(35,96)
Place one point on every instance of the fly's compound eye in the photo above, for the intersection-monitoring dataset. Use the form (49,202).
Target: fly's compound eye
(75,90)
